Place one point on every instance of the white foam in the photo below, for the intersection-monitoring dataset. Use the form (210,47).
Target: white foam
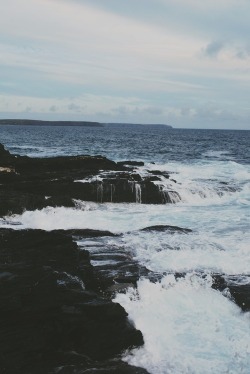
(223,170)
(161,252)
(218,154)
(187,327)
(219,219)
(202,182)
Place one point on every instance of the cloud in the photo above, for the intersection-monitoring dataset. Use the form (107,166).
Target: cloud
(137,110)
(235,50)
(53,108)
(75,108)
(243,53)
(119,109)
(138,59)
(214,48)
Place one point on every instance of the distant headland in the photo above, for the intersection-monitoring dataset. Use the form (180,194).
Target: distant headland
(155,125)
(32,122)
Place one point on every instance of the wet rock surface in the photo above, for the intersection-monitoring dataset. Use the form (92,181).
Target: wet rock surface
(52,317)
(169,229)
(34,183)
(114,267)
(233,287)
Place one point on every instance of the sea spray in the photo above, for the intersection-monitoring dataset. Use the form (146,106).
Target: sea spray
(188,327)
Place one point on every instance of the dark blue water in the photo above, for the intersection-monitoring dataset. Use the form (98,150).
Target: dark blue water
(123,143)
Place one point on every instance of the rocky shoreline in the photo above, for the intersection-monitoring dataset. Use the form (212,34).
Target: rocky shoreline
(54,318)
(56,310)
(34,183)
(54,315)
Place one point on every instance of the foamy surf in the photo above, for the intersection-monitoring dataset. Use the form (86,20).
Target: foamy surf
(202,182)
(187,327)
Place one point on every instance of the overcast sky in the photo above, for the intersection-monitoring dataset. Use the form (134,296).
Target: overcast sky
(180,62)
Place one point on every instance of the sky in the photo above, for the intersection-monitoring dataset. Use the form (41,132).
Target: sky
(184,63)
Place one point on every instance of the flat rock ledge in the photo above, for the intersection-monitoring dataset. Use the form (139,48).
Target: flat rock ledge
(34,183)
(52,317)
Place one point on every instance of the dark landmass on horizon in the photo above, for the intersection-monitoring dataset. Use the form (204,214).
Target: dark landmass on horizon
(155,125)
(31,122)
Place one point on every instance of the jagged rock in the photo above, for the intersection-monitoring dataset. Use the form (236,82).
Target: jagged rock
(5,157)
(89,233)
(49,305)
(114,268)
(158,172)
(241,295)
(219,282)
(238,292)
(34,183)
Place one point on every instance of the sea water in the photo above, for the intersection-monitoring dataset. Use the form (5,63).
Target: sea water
(188,327)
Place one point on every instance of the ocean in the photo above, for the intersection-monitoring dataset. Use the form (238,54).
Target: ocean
(188,326)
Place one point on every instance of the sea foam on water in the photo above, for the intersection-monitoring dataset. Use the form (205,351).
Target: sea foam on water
(188,327)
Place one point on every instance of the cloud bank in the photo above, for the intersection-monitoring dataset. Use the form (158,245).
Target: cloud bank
(150,61)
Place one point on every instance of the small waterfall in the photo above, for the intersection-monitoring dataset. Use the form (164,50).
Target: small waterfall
(99,192)
(174,197)
(112,190)
(137,193)
(170,197)
(136,190)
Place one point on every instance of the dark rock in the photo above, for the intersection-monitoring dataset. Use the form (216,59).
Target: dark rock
(168,228)
(154,178)
(5,156)
(15,202)
(49,306)
(34,183)
(241,295)
(114,268)
(158,172)
(219,282)
(108,367)
(87,233)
